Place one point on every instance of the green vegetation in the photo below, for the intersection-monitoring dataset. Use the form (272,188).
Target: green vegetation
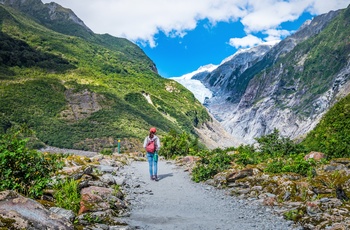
(76,89)
(21,169)
(179,144)
(275,154)
(331,135)
(211,163)
(67,195)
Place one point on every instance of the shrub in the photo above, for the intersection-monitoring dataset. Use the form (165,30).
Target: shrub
(23,170)
(247,155)
(175,144)
(275,145)
(295,164)
(210,164)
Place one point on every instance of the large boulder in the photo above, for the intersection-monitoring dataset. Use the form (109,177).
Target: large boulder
(18,212)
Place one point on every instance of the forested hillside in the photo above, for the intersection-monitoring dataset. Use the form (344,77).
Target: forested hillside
(77,89)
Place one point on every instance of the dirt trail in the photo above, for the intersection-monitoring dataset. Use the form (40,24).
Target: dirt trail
(176,202)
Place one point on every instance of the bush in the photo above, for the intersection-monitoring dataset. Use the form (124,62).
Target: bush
(247,155)
(23,170)
(275,145)
(175,144)
(210,164)
(295,164)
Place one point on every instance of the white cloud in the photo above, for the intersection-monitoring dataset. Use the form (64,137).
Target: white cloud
(273,34)
(143,19)
(245,42)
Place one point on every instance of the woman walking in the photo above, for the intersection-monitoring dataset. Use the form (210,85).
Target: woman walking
(152,146)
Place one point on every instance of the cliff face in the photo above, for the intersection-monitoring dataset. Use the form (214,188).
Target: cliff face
(288,86)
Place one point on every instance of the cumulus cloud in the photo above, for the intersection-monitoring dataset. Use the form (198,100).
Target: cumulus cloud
(274,34)
(247,41)
(141,20)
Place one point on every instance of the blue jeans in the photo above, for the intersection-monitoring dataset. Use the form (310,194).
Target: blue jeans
(153,164)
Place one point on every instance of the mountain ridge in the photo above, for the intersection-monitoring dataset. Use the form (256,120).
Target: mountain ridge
(258,95)
(80,90)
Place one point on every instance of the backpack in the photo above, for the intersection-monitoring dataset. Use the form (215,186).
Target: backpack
(151,147)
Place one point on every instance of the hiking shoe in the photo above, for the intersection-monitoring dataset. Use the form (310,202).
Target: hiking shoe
(152,178)
(156,178)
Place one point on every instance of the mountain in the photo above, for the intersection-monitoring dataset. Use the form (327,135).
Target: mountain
(288,86)
(81,90)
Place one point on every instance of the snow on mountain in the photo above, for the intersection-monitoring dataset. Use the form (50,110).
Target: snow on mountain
(195,86)
(251,50)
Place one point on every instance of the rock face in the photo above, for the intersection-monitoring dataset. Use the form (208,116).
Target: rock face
(284,87)
(81,104)
(213,135)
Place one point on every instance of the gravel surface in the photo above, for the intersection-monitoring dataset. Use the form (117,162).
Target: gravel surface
(51,149)
(176,202)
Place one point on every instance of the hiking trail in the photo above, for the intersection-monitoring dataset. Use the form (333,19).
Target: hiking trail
(176,202)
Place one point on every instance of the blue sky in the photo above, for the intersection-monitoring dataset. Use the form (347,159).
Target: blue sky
(177,56)
(182,35)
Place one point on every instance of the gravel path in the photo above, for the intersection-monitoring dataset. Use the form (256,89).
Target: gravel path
(176,202)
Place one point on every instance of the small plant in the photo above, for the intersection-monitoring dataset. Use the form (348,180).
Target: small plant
(293,214)
(106,152)
(116,189)
(91,219)
(67,195)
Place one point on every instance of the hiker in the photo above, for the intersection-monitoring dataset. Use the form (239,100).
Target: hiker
(152,145)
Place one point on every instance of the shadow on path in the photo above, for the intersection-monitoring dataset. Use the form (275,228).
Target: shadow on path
(163,176)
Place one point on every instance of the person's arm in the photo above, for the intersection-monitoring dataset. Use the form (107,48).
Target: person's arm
(158,144)
(145,142)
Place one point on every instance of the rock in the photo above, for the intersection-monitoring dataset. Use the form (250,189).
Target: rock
(119,180)
(232,177)
(26,213)
(341,195)
(315,155)
(270,201)
(96,199)
(68,214)
(107,169)
(312,208)
(287,196)
(324,200)
(89,170)
(71,170)
(108,179)
(335,167)
(344,161)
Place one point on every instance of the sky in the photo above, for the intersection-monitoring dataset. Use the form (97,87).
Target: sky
(182,35)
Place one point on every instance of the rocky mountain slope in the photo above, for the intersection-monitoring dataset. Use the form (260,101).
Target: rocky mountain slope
(288,86)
